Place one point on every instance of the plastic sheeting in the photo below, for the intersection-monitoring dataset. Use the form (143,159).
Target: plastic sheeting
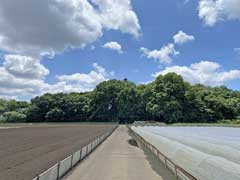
(214,141)
(206,153)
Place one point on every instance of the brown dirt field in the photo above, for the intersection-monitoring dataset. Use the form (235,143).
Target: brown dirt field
(28,151)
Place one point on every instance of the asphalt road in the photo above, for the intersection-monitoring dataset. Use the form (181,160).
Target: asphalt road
(28,151)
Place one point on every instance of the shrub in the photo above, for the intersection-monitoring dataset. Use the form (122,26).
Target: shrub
(237,121)
(55,115)
(34,114)
(226,121)
(1,119)
(13,116)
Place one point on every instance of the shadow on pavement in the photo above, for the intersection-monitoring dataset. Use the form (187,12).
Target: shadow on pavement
(156,164)
(133,142)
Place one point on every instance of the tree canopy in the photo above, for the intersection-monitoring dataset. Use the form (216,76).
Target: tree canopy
(167,99)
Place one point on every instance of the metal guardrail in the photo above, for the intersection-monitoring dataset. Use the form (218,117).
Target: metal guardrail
(61,168)
(179,172)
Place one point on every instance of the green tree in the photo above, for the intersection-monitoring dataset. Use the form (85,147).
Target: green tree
(55,115)
(167,98)
(104,101)
(13,117)
(129,103)
(34,114)
(77,107)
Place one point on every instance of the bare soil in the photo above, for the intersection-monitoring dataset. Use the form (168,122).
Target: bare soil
(28,151)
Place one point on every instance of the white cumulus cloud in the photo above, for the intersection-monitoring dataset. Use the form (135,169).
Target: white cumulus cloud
(181,38)
(113,46)
(212,11)
(27,76)
(47,27)
(118,15)
(204,72)
(25,67)
(11,85)
(21,75)
(84,82)
(163,55)
(166,53)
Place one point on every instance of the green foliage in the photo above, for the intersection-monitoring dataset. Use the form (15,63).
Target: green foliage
(77,107)
(104,100)
(12,105)
(168,99)
(34,114)
(55,115)
(237,121)
(130,103)
(13,116)
(226,122)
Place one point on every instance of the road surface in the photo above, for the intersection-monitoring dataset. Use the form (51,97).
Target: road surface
(118,159)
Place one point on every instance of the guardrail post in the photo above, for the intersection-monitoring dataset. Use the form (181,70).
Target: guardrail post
(80,158)
(71,161)
(158,155)
(175,171)
(165,159)
(58,171)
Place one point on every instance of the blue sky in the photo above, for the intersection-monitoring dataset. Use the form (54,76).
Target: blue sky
(208,53)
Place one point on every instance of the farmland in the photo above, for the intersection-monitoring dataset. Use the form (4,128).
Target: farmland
(209,153)
(27,151)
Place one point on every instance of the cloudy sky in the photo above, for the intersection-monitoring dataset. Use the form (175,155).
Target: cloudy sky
(72,45)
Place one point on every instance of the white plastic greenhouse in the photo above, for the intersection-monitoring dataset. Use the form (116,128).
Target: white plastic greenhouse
(207,153)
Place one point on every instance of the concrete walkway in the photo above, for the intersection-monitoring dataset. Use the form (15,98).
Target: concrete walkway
(117,159)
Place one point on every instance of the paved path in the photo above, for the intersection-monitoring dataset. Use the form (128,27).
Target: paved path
(116,159)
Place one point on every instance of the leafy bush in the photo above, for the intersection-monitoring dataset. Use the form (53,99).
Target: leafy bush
(55,115)
(237,121)
(1,119)
(34,114)
(226,121)
(13,116)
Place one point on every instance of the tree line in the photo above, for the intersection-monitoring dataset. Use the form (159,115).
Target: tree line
(167,99)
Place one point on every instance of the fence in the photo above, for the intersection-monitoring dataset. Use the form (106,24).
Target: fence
(179,172)
(60,169)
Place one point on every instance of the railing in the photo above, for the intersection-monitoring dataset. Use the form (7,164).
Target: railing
(61,168)
(179,172)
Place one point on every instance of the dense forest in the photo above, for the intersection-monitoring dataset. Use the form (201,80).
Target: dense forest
(168,99)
